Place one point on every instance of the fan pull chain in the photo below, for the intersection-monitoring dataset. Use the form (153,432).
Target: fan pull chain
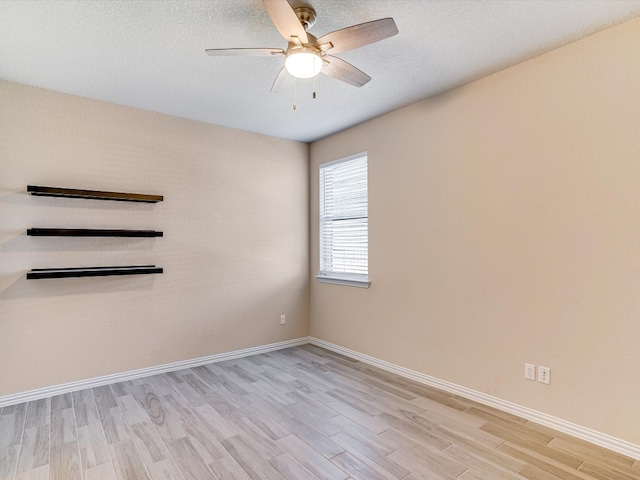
(294,93)
(314,88)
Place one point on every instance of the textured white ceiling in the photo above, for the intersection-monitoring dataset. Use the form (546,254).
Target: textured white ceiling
(150,54)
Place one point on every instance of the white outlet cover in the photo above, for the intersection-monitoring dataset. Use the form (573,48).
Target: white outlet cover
(544,375)
(530,371)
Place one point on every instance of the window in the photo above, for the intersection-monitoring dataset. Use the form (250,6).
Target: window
(344,222)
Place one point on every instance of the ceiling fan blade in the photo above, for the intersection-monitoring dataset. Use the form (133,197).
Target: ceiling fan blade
(339,69)
(283,82)
(253,52)
(358,36)
(285,20)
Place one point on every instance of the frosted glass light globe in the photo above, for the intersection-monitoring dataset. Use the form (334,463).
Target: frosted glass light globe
(303,62)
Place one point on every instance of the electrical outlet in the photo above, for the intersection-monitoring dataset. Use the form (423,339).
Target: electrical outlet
(544,375)
(283,320)
(530,371)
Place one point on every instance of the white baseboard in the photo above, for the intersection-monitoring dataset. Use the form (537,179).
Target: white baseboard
(584,433)
(144,372)
(592,436)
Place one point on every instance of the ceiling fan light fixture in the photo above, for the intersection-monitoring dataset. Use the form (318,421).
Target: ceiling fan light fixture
(303,62)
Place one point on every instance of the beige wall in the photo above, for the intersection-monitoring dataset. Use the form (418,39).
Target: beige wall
(235,248)
(504,229)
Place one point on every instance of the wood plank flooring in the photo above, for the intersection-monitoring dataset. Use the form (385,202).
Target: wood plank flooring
(302,413)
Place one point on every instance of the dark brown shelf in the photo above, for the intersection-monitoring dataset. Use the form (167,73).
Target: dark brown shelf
(43,273)
(90,232)
(92,194)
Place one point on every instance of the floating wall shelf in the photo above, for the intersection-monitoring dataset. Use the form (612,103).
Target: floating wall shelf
(92,194)
(41,273)
(90,232)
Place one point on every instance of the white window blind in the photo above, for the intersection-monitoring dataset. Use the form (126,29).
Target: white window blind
(344,223)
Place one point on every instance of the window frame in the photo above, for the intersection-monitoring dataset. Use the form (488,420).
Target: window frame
(340,278)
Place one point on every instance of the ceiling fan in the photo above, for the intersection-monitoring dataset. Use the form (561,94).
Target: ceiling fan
(306,55)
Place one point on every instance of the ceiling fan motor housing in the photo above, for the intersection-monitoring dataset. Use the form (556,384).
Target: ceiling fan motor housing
(306,15)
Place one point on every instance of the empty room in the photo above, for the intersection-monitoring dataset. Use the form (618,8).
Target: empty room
(320,239)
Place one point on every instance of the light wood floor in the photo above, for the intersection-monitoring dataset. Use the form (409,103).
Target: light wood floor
(300,413)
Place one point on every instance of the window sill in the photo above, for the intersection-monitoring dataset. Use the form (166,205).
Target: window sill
(349,282)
